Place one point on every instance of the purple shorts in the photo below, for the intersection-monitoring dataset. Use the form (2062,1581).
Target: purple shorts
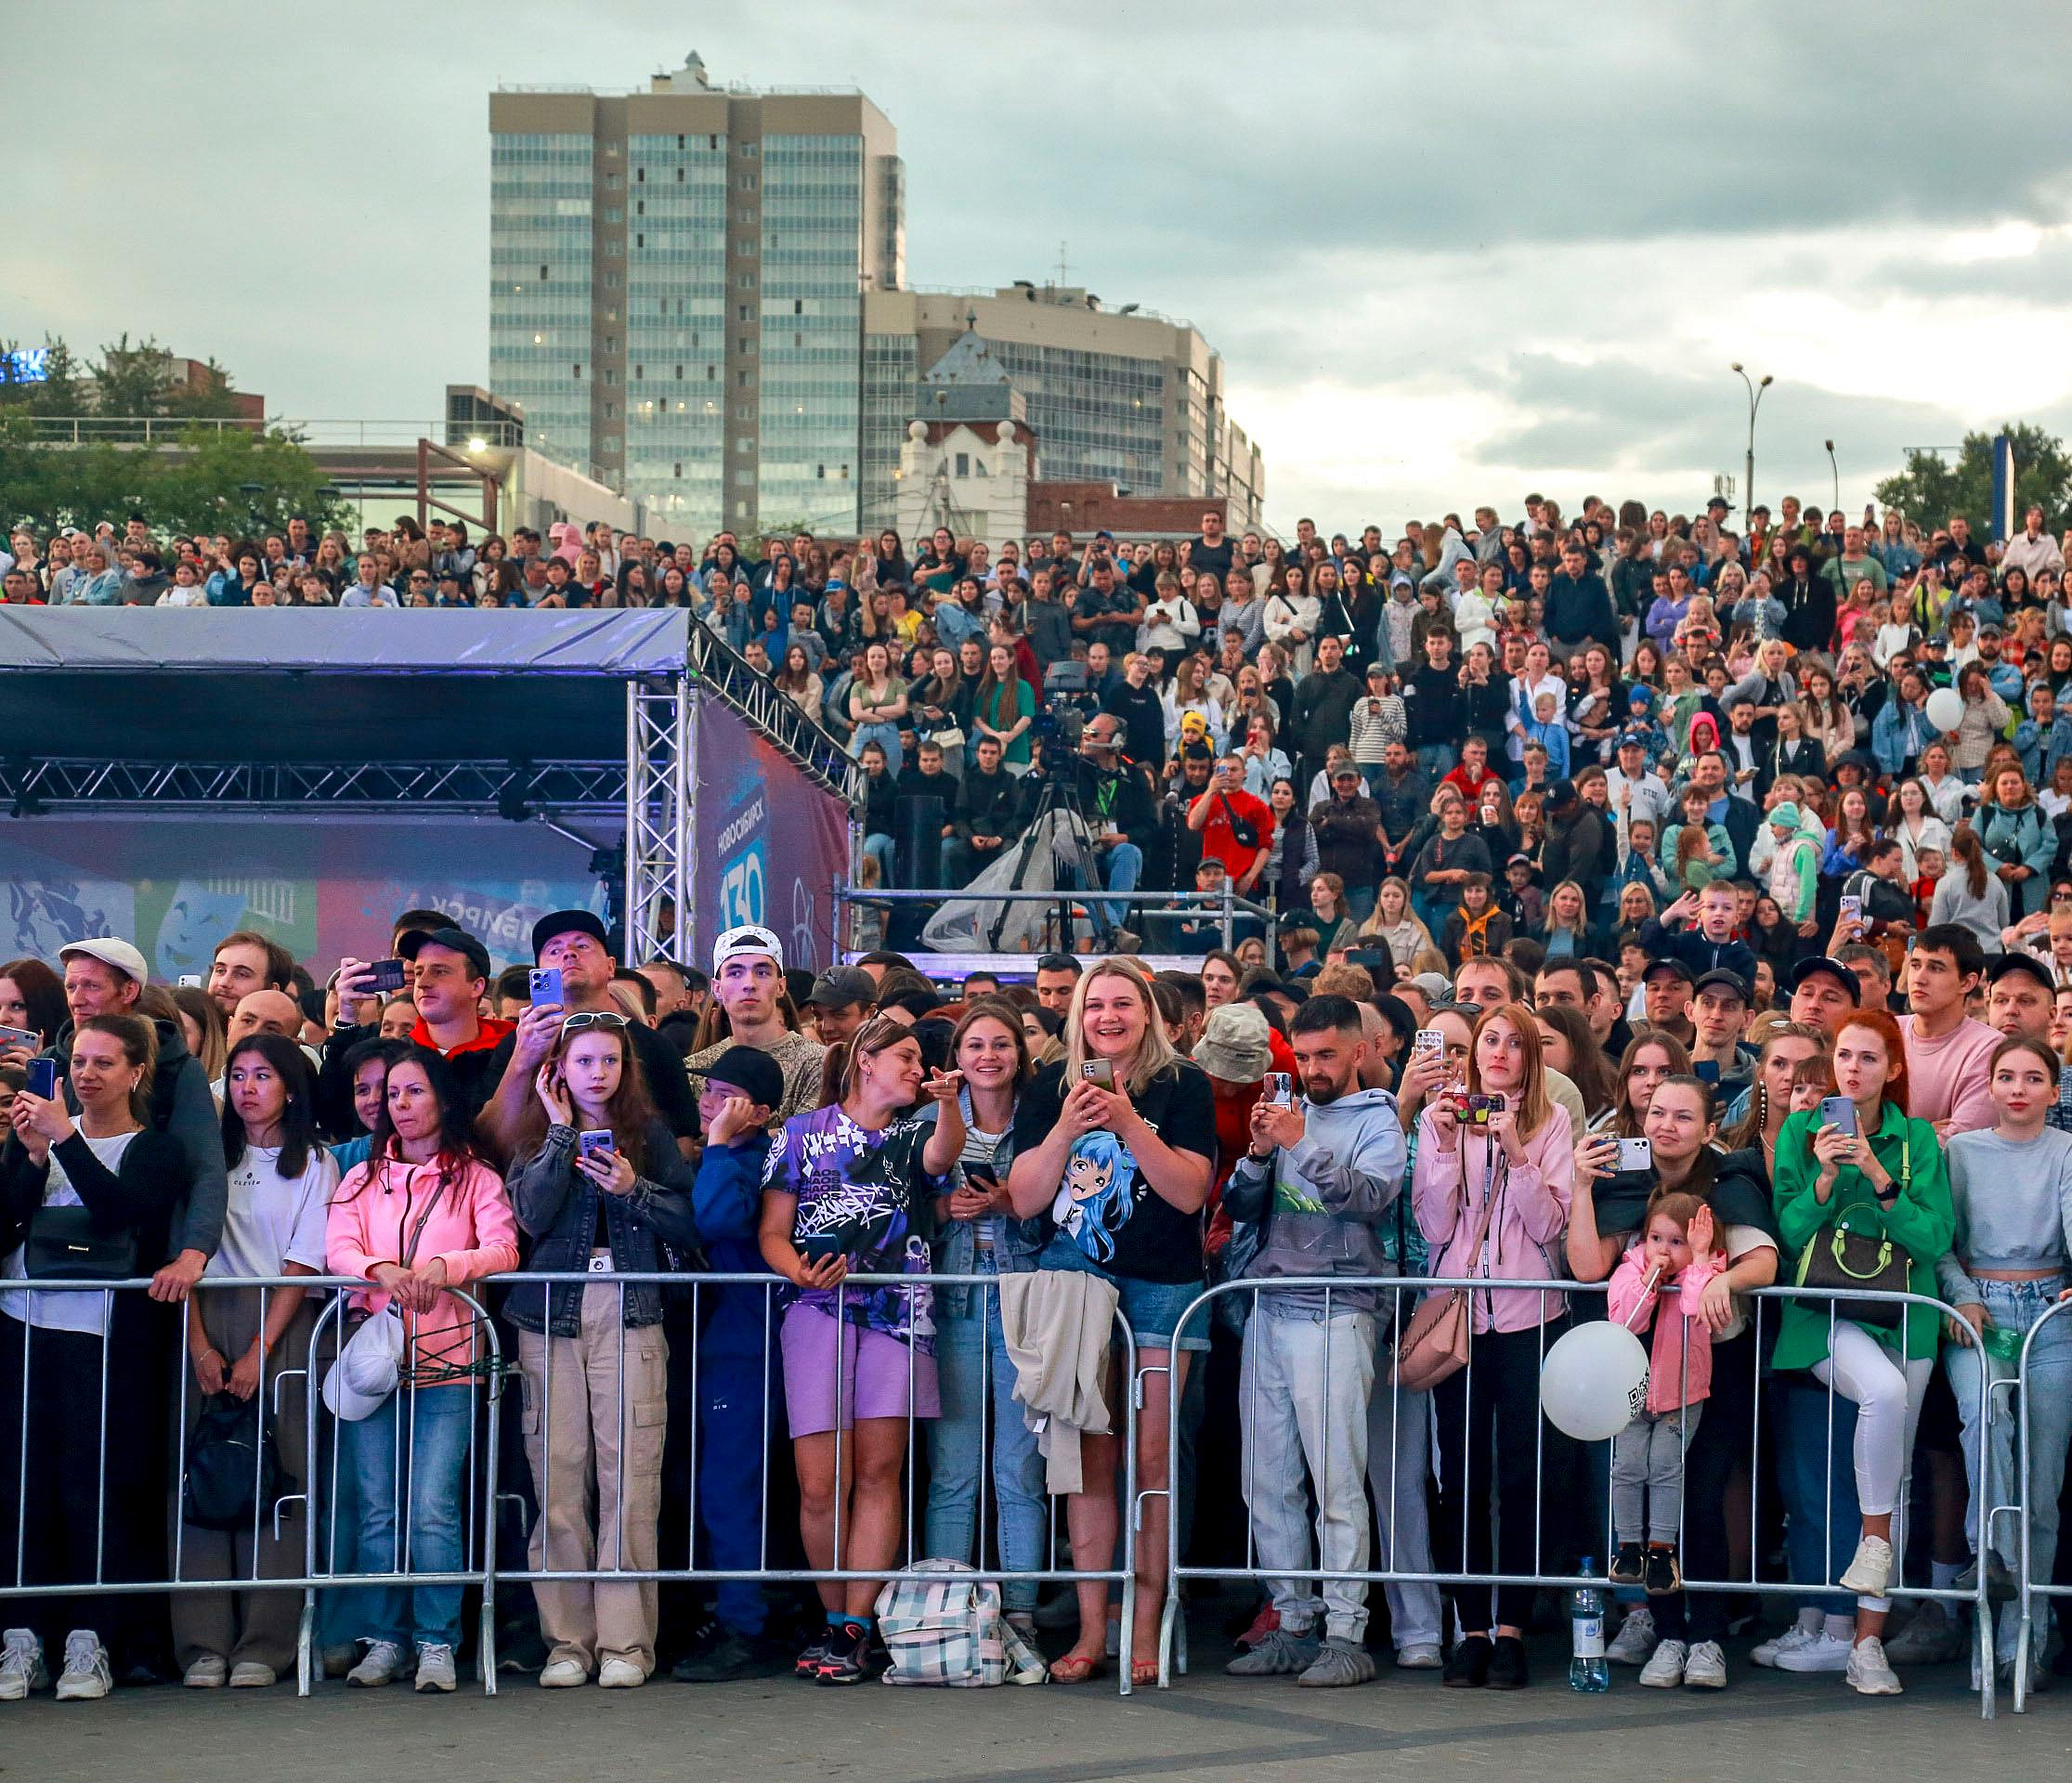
(874,1374)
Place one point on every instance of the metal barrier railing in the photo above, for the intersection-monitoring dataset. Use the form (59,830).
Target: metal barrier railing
(2027,1585)
(320,1570)
(1401,1294)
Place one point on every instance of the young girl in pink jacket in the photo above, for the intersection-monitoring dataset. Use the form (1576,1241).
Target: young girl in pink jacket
(1662,1281)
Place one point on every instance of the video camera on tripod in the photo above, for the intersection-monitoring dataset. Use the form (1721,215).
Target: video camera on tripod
(1065,707)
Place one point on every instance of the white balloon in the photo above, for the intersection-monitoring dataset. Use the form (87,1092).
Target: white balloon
(1945,709)
(1594,1380)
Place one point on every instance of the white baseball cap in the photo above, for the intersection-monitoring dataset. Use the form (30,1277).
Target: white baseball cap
(749,938)
(110,952)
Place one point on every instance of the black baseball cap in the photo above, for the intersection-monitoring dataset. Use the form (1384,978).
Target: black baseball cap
(840,987)
(567,922)
(751,1072)
(1726,979)
(455,940)
(1670,963)
(1833,968)
(2006,965)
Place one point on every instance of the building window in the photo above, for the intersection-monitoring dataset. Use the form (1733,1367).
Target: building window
(543,275)
(640,239)
(639,175)
(679,176)
(640,372)
(742,379)
(611,411)
(680,374)
(611,281)
(963,463)
(798,305)
(576,371)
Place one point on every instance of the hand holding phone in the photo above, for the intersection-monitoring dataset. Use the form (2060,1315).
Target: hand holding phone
(1839,1112)
(544,986)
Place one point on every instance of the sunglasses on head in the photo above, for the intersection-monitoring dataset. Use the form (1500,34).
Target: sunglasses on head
(594,1018)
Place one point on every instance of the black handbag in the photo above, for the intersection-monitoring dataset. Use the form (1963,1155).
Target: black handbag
(65,1245)
(233,1474)
(1842,1256)
(1243,831)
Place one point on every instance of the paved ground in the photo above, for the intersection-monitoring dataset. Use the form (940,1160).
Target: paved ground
(1766,1726)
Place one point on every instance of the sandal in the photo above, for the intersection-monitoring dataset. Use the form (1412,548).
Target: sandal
(1142,1672)
(1076,1668)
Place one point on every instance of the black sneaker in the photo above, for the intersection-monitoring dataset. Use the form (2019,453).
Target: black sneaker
(1664,1576)
(1629,1565)
(720,1655)
(848,1650)
(809,1662)
(1469,1667)
(1506,1667)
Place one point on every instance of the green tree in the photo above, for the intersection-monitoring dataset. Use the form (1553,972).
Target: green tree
(1930,488)
(133,382)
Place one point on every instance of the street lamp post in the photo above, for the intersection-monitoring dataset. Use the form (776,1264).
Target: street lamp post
(1836,470)
(1754,402)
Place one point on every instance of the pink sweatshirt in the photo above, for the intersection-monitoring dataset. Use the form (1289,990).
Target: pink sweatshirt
(471,1230)
(1668,1386)
(1947,1078)
(1525,1233)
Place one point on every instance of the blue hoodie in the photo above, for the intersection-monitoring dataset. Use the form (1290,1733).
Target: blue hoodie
(726,1203)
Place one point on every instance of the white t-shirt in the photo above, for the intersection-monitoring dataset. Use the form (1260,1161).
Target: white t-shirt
(274,1220)
(79,1311)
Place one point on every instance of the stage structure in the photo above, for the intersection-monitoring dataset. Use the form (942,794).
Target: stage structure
(561,719)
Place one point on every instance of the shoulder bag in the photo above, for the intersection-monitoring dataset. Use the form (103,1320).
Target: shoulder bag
(1434,1345)
(1842,1255)
(65,1245)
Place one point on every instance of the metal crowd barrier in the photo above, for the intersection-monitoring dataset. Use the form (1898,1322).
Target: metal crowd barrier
(1396,1298)
(2030,1587)
(319,1571)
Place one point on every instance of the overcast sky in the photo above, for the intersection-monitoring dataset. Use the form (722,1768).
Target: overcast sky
(1448,253)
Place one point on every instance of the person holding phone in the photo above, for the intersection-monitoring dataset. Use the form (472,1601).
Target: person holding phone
(1491,1198)
(1120,1161)
(979,1235)
(61,1444)
(1884,1173)
(598,1186)
(1675,1639)
(852,1186)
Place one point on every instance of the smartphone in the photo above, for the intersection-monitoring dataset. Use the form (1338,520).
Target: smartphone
(1429,1040)
(387,975)
(1280,1089)
(10,1038)
(1636,1155)
(1101,1071)
(593,1142)
(817,1247)
(1851,908)
(1839,1112)
(1479,1108)
(43,1079)
(191,980)
(545,983)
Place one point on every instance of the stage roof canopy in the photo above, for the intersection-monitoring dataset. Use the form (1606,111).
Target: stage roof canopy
(302,685)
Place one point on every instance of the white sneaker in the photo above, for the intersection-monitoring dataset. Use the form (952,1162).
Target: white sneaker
(207,1673)
(1704,1667)
(86,1676)
(1634,1643)
(1420,1655)
(1869,1673)
(563,1674)
(378,1666)
(621,1675)
(1824,1652)
(1791,1641)
(249,1674)
(1930,1639)
(435,1666)
(21,1666)
(1665,1670)
(1869,1569)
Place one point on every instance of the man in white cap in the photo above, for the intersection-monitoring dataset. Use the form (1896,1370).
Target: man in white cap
(748,992)
(104,976)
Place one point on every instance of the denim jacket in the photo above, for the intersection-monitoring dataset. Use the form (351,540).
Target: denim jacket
(957,1244)
(556,1207)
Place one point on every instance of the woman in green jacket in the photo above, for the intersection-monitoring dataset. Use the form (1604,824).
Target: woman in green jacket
(1890,1182)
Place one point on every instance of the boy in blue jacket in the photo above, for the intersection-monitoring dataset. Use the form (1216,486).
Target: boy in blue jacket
(742,1088)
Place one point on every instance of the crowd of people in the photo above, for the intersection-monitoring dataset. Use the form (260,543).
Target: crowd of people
(1616,914)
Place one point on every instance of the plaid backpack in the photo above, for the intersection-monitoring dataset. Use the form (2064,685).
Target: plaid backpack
(942,1623)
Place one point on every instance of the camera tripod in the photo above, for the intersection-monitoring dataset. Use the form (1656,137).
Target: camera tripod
(1060,801)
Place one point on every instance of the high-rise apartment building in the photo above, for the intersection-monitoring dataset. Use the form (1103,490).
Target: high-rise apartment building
(677,279)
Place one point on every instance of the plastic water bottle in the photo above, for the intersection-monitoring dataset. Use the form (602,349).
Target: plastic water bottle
(1588,1670)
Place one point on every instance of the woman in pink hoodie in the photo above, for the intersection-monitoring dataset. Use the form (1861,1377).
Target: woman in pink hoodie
(423,1214)
(1491,1192)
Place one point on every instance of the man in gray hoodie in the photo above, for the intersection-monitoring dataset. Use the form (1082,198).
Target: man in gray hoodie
(1317,1182)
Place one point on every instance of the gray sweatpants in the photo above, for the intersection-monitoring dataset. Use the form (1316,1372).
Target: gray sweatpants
(1648,1474)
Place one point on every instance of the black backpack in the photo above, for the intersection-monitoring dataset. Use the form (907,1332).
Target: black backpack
(233,1475)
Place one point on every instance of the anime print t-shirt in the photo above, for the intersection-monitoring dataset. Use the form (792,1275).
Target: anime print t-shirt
(1104,1207)
(873,1190)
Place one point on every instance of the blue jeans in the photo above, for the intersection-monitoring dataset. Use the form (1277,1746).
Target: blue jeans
(975,1378)
(2016,1305)
(1437,759)
(1819,1490)
(1125,866)
(1359,903)
(734,1416)
(879,847)
(884,734)
(421,1437)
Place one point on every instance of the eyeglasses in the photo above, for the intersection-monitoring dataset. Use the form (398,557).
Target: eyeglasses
(594,1018)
